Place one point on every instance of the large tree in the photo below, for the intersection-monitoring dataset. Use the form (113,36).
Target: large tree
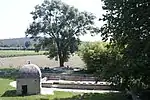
(127,25)
(60,26)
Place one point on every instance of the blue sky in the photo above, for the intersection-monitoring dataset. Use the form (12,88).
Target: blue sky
(15,15)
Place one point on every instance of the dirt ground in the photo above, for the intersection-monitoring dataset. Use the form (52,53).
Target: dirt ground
(40,60)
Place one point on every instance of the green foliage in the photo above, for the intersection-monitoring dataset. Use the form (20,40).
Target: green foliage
(127,27)
(91,54)
(27,44)
(60,25)
(103,61)
(8,73)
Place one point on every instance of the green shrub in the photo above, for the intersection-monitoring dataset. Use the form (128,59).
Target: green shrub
(101,61)
(92,53)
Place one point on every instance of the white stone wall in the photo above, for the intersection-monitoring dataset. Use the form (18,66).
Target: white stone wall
(77,86)
(33,86)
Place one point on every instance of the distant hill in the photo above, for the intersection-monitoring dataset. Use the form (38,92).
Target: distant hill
(19,43)
(15,42)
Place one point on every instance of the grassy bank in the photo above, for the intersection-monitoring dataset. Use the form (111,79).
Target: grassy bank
(16,53)
(8,93)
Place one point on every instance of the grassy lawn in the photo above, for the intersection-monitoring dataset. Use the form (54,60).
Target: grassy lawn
(15,53)
(97,96)
(8,93)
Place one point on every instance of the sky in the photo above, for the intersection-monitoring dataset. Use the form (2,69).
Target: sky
(15,16)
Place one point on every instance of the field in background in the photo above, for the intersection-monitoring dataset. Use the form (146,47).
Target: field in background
(16,53)
(40,60)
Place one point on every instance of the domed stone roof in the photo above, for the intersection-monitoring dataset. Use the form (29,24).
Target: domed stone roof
(29,71)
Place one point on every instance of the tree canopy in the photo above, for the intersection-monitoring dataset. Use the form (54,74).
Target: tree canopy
(60,26)
(127,25)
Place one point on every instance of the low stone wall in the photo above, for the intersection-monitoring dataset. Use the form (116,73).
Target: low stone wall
(69,77)
(77,86)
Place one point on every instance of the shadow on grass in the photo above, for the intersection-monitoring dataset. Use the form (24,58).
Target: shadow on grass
(12,93)
(9,93)
(96,96)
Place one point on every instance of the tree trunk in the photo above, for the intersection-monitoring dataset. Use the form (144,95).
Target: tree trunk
(61,61)
(134,96)
(61,58)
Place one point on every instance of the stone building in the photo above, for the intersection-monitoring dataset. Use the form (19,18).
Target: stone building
(28,80)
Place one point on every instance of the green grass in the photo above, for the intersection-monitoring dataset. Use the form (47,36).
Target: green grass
(97,96)
(15,53)
(4,85)
(8,93)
